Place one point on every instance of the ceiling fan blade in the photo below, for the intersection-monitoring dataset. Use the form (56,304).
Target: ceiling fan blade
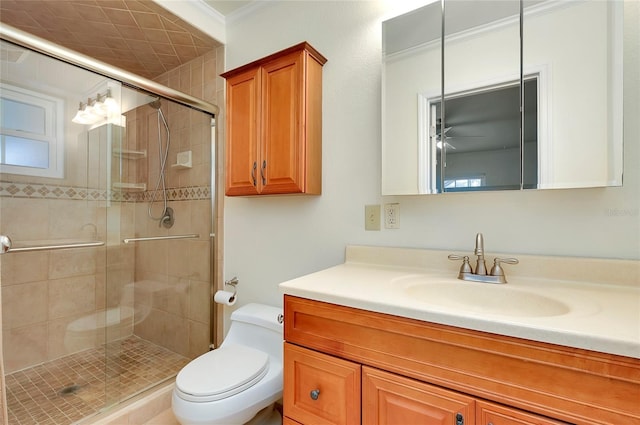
(462,137)
(447,145)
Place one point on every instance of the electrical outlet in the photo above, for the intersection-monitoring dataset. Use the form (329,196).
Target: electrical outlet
(372,217)
(392,216)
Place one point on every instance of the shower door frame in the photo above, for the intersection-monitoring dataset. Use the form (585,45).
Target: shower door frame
(136,82)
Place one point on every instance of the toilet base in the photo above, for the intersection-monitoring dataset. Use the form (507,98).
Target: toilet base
(267,416)
(185,415)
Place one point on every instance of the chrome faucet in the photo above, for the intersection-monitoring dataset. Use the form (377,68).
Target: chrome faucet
(496,275)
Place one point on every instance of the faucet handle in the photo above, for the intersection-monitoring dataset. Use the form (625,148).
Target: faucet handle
(497,270)
(466,267)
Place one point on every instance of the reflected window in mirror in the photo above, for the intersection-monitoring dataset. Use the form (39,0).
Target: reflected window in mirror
(482,138)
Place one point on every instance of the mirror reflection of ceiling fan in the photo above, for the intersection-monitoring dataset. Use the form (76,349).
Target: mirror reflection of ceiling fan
(439,142)
(435,132)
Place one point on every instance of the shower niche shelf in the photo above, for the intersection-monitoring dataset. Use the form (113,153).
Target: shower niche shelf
(181,166)
(184,161)
(130,187)
(130,154)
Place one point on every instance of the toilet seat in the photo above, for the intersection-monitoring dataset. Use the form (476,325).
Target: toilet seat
(222,373)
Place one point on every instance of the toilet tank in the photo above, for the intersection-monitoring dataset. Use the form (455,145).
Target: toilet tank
(258,326)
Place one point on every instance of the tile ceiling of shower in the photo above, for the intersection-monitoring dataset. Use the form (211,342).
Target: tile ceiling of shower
(138,36)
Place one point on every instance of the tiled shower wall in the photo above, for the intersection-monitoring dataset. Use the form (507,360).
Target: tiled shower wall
(3,395)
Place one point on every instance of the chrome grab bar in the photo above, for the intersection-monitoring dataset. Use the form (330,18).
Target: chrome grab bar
(7,246)
(161,238)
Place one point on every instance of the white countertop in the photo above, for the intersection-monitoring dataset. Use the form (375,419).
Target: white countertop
(596,316)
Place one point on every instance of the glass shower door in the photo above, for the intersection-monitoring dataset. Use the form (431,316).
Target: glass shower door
(159,256)
(53,212)
(106,285)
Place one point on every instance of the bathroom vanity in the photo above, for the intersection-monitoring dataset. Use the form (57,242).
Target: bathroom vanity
(390,337)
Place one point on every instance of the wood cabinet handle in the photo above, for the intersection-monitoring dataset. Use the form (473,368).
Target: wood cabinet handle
(262,172)
(253,172)
(314,394)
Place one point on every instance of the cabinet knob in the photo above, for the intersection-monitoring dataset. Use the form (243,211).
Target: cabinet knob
(314,394)
(459,419)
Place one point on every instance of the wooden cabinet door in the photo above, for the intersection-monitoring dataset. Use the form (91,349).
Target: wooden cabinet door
(243,131)
(320,389)
(392,399)
(282,164)
(274,124)
(288,421)
(495,414)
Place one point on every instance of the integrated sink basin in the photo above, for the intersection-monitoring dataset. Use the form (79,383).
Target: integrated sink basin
(485,298)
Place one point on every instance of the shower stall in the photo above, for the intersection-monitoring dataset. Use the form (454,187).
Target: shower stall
(107,202)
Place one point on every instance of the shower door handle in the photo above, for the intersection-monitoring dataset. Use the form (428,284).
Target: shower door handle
(5,244)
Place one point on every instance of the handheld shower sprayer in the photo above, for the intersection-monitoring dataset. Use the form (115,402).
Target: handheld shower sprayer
(166,218)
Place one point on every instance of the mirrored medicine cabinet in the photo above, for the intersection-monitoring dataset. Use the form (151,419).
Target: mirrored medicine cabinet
(532,96)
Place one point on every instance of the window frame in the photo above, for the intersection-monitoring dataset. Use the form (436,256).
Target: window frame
(53,131)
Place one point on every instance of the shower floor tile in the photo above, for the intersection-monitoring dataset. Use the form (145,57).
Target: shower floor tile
(68,389)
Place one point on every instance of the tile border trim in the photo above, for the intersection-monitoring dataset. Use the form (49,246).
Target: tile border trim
(48,191)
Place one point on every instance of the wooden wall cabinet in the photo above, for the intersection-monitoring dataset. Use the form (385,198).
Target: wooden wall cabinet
(274,124)
(419,372)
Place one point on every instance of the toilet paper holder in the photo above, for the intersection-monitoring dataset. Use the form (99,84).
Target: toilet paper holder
(233,282)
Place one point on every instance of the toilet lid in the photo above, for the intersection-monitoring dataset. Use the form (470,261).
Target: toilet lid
(222,373)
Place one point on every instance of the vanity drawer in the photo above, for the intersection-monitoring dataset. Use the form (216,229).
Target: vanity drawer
(495,414)
(320,389)
(388,398)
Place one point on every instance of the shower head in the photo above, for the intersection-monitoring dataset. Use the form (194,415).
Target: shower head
(155,103)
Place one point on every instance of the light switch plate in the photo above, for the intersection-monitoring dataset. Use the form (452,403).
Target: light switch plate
(372,217)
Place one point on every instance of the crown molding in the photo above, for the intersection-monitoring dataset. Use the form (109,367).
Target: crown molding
(200,15)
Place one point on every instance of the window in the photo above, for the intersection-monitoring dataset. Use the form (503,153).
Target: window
(31,130)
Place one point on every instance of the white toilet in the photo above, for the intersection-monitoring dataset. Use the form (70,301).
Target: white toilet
(239,382)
